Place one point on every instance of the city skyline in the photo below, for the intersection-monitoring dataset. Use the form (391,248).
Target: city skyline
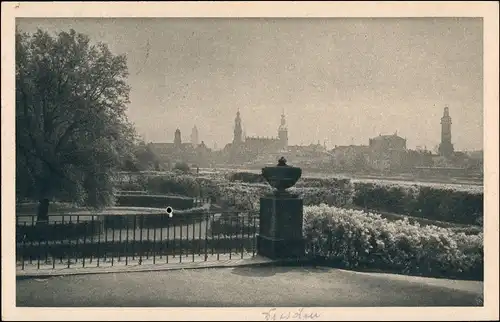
(434,148)
(345,80)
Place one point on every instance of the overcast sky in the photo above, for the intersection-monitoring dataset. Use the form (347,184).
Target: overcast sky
(339,80)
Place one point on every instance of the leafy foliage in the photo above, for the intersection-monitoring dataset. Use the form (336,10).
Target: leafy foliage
(176,202)
(355,239)
(462,206)
(428,202)
(174,184)
(247,177)
(71,126)
(182,167)
(145,158)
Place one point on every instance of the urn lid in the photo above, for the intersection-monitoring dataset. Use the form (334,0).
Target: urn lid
(282,162)
(282,176)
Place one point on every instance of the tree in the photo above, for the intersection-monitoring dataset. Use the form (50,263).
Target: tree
(182,167)
(71,128)
(146,158)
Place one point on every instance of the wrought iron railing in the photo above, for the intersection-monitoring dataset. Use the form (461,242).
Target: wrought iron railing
(67,241)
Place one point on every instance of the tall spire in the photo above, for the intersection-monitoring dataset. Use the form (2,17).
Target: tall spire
(446,111)
(194,136)
(237,129)
(177,138)
(446,147)
(283,121)
(283,131)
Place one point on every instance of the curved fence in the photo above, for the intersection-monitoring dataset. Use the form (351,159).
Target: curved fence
(67,241)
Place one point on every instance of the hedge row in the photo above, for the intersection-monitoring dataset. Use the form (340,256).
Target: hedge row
(242,190)
(182,184)
(154,201)
(354,239)
(430,202)
(437,204)
(247,177)
(165,183)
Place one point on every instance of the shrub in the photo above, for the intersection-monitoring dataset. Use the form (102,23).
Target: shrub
(240,197)
(330,183)
(354,239)
(396,199)
(443,204)
(131,186)
(247,177)
(170,183)
(448,205)
(242,190)
(331,197)
(183,167)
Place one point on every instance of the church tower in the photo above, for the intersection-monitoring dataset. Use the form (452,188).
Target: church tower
(283,132)
(446,147)
(177,138)
(237,129)
(194,136)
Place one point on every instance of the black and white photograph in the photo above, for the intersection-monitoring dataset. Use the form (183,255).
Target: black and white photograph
(280,164)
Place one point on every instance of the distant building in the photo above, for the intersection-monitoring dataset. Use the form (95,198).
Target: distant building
(238,131)
(171,153)
(283,133)
(476,155)
(387,152)
(245,149)
(446,147)
(418,158)
(194,136)
(350,157)
(177,139)
(383,153)
(256,151)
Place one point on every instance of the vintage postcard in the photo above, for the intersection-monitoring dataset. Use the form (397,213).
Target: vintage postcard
(268,161)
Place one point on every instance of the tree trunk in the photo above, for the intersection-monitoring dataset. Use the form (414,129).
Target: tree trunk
(42,214)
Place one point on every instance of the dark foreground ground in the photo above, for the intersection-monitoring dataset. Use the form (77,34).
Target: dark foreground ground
(246,286)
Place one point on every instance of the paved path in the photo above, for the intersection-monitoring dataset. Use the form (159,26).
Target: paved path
(246,286)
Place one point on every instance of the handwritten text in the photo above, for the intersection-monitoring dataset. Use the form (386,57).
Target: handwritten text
(298,314)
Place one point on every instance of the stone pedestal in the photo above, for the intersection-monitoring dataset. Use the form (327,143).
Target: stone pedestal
(280,231)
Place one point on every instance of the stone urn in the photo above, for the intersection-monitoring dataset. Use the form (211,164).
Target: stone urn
(281,215)
(282,176)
